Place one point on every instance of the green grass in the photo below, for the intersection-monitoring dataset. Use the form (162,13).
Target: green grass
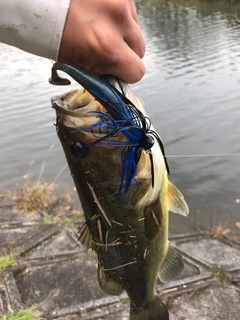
(125,301)
(6,260)
(28,314)
(220,274)
(57,220)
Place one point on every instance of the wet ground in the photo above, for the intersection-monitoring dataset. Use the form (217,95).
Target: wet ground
(57,275)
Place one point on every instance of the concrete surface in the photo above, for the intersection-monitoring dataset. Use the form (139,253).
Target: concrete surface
(57,275)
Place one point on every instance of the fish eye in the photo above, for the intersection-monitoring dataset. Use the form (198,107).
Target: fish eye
(79,150)
(147,142)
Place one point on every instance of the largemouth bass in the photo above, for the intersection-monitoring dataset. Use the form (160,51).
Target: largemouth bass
(117,163)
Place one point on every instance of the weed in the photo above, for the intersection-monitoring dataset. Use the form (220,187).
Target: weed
(237,224)
(90,254)
(219,231)
(57,220)
(34,196)
(220,274)
(28,314)
(198,291)
(6,260)
(125,301)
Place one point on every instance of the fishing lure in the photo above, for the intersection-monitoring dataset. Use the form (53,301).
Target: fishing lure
(124,117)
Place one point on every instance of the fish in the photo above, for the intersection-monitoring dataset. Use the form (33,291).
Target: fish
(120,171)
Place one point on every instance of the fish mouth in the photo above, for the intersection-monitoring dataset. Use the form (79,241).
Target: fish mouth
(76,108)
(80,114)
(76,103)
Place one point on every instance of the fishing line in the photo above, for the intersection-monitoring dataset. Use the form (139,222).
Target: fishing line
(198,155)
(202,155)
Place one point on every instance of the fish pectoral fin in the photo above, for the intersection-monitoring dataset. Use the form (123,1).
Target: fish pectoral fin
(177,204)
(171,266)
(85,236)
(107,284)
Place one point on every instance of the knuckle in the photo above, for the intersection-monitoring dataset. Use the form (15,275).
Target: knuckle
(119,6)
(121,11)
(107,49)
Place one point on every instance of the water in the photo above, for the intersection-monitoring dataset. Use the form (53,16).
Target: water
(191,92)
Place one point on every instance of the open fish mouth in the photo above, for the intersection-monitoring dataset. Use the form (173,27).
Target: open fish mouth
(74,108)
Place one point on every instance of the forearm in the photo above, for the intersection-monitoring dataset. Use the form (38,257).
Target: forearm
(33,26)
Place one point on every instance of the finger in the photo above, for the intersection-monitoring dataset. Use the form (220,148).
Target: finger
(133,10)
(135,40)
(127,67)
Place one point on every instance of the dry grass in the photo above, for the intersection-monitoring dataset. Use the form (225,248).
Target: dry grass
(37,195)
(42,198)
(219,231)
(39,198)
(237,224)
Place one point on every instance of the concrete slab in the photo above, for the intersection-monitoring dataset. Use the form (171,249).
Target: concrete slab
(9,216)
(59,244)
(57,275)
(15,302)
(59,285)
(6,201)
(100,308)
(189,270)
(113,312)
(119,311)
(24,238)
(211,253)
(210,303)
(4,302)
(235,278)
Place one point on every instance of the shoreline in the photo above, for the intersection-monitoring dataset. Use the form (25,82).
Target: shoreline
(57,275)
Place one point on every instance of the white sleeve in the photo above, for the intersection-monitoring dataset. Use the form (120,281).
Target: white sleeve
(35,26)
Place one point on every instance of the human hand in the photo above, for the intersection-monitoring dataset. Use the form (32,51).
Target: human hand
(104,37)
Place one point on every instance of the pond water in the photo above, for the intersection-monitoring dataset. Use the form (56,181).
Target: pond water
(191,91)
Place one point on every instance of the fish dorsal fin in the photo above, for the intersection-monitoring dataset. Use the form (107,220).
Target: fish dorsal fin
(85,236)
(177,204)
(171,266)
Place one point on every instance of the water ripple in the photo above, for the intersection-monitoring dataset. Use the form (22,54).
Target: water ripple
(191,92)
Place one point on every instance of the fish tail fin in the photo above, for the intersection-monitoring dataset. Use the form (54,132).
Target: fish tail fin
(155,310)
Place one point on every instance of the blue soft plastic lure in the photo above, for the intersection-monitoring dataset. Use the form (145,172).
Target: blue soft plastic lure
(124,117)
